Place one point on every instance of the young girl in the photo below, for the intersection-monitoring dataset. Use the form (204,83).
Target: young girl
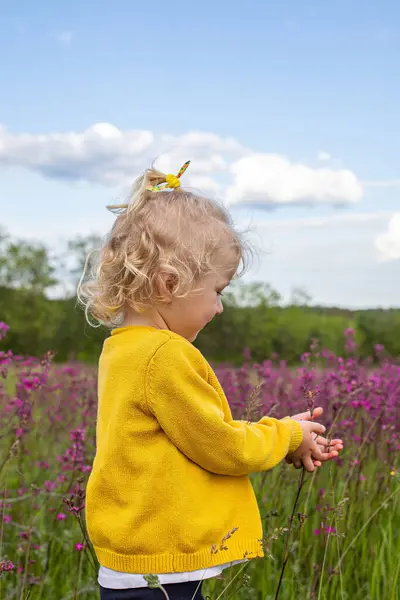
(169,493)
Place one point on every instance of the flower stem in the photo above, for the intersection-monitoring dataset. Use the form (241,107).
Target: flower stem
(286,552)
(88,544)
(164,591)
(232,580)
(78,579)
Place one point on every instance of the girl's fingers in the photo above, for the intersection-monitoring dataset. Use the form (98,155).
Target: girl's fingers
(327,455)
(334,444)
(308,463)
(325,451)
(321,441)
(318,428)
(323,454)
(308,415)
(326,442)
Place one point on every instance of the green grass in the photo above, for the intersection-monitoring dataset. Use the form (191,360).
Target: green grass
(370,567)
(370,546)
(361,500)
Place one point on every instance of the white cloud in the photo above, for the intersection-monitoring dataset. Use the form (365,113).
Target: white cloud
(343,218)
(385,183)
(270,179)
(388,243)
(324,156)
(65,37)
(333,259)
(221,165)
(105,154)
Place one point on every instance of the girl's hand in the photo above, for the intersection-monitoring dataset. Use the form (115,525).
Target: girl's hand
(309,450)
(323,444)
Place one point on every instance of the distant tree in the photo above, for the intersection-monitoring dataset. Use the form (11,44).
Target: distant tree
(78,251)
(25,265)
(300,297)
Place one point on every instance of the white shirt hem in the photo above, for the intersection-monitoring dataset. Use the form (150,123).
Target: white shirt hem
(116,580)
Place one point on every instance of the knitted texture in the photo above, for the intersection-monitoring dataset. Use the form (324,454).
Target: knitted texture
(170,476)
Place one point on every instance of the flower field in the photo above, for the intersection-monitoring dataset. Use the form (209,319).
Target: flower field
(331,535)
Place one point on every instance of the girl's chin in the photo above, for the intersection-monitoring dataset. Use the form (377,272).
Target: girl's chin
(192,337)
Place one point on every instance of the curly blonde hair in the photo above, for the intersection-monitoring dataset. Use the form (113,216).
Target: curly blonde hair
(175,233)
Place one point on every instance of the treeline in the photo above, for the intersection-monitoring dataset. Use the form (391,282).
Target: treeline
(254,317)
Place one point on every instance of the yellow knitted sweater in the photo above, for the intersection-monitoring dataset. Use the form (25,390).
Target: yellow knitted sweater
(170,476)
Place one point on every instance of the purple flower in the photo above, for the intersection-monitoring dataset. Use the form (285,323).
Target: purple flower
(331,530)
(3,329)
(77,435)
(31,383)
(50,485)
(325,529)
(6,565)
(42,464)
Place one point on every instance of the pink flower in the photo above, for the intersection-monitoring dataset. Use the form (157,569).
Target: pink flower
(325,529)
(6,565)
(7,519)
(77,435)
(79,546)
(330,529)
(50,485)
(61,517)
(3,329)
(31,383)
(42,464)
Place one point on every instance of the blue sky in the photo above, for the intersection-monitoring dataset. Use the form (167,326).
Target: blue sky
(310,83)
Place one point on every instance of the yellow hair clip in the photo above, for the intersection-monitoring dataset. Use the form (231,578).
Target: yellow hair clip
(171,181)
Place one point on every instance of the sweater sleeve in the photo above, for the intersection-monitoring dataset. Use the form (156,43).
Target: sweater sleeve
(189,410)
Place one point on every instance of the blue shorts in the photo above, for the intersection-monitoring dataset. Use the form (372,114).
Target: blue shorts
(175,591)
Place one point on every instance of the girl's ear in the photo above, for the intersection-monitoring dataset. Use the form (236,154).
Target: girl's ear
(166,284)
